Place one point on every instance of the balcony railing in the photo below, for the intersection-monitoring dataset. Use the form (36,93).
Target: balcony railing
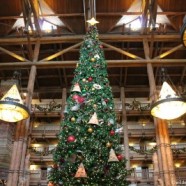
(39,177)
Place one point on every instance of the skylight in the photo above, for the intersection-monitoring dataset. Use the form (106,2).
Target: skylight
(134,21)
(47,23)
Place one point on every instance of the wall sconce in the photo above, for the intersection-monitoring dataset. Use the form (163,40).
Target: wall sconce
(12,108)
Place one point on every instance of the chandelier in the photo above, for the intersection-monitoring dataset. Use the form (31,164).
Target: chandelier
(12,108)
(169,105)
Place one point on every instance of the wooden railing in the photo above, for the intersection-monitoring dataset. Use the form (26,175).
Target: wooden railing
(137,176)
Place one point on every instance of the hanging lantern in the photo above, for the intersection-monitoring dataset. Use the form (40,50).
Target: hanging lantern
(12,108)
(81,173)
(112,156)
(169,106)
(94,119)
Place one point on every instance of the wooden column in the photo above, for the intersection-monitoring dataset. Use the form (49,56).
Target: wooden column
(125,128)
(14,152)
(156,168)
(165,159)
(19,155)
(30,89)
(17,158)
(64,97)
(168,152)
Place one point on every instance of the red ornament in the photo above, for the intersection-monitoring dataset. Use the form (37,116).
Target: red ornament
(112,132)
(90,79)
(75,97)
(81,99)
(101,46)
(106,100)
(55,166)
(71,138)
(120,157)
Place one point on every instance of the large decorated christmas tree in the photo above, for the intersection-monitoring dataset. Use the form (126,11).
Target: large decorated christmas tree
(88,152)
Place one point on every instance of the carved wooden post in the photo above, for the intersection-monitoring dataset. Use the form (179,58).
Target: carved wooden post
(125,128)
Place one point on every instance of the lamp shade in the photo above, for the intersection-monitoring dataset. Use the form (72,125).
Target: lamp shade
(169,106)
(12,108)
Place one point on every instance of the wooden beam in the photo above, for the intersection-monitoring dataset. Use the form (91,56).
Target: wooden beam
(103,37)
(61,52)
(122,51)
(14,55)
(153,13)
(35,6)
(169,52)
(111,63)
(145,6)
(146,49)
(173,13)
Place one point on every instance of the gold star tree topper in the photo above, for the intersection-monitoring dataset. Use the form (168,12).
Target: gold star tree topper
(92,21)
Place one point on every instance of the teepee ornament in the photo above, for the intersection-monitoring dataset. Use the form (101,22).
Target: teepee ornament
(112,156)
(12,108)
(76,88)
(81,173)
(94,119)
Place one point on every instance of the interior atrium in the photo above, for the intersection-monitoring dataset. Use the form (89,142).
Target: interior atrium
(144,44)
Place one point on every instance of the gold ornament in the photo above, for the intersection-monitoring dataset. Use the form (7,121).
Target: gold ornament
(90,130)
(108,144)
(95,106)
(92,59)
(92,21)
(84,80)
(73,119)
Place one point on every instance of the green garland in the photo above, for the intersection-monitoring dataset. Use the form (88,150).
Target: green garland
(154,149)
(42,153)
(179,151)
(49,108)
(140,151)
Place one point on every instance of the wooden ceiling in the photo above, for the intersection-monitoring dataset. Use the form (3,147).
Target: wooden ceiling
(127,50)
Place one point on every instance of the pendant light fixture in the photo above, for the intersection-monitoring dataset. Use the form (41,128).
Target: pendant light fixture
(12,108)
(169,106)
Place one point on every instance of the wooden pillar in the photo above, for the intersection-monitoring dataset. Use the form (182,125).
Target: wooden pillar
(14,152)
(169,154)
(165,159)
(162,147)
(19,151)
(164,152)
(30,90)
(125,128)
(64,97)
(17,158)
(156,168)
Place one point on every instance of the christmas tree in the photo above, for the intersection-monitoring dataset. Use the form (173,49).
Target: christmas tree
(88,152)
